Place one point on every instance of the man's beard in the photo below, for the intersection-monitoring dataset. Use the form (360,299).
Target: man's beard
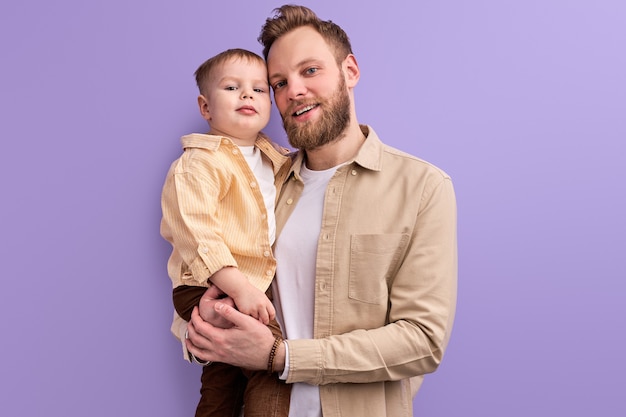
(331,123)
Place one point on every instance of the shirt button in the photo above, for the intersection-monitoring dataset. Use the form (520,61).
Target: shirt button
(264,216)
(269,272)
(226,141)
(353,172)
(204,249)
(253,184)
(235,151)
(266,253)
(289,200)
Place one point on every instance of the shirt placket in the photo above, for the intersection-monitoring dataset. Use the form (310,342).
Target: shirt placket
(326,256)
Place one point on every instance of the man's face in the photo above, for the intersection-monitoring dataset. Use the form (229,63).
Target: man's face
(309,89)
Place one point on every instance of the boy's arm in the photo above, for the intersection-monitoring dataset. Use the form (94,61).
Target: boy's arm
(248,299)
(254,302)
(189,203)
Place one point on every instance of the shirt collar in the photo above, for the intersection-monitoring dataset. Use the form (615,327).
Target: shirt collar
(369,155)
(202,141)
(213,142)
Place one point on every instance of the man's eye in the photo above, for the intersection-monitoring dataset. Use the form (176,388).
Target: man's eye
(311,71)
(279,84)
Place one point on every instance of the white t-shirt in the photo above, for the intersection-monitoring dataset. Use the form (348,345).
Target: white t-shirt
(262,169)
(294,286)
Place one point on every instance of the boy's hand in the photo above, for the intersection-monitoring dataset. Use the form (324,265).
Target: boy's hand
(255,303)
(248,298)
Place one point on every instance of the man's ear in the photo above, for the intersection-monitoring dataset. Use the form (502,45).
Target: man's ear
(203,105)
(351,71)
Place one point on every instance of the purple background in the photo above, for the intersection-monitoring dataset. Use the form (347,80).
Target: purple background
(522,102)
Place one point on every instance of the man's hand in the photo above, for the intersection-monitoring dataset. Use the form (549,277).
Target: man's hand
(207,311)
(246,344)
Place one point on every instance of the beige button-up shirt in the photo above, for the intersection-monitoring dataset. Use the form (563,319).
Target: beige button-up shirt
(214,214)
(386,281)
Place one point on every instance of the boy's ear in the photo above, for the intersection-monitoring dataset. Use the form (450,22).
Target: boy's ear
(203,105)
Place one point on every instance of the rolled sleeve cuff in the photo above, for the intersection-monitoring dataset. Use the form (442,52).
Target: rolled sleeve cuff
(209,261)
(304,362)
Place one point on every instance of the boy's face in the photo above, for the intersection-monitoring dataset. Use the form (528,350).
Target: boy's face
(236,100)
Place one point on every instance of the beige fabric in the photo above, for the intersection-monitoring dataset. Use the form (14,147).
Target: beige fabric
(386,281)
(214,214)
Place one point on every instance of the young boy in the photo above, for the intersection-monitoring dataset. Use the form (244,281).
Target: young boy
(218,214)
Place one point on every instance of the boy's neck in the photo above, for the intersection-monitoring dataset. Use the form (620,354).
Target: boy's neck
(240,141)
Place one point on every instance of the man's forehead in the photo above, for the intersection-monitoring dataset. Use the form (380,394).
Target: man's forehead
(300,47)
(295,65)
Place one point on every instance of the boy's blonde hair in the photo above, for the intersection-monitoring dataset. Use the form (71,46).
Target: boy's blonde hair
(205,71)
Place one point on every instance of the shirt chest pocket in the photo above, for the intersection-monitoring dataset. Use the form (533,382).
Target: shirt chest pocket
(373,261)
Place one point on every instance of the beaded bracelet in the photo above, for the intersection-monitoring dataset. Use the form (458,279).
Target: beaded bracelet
(270,361)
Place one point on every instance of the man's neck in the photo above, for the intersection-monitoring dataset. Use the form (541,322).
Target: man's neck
(336,152)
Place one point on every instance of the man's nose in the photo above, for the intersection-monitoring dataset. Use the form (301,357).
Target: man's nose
(295,89)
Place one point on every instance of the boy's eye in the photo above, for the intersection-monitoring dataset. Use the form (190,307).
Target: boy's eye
(259,90)
(230,88)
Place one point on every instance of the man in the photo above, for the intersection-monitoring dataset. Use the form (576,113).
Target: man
(365,286)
